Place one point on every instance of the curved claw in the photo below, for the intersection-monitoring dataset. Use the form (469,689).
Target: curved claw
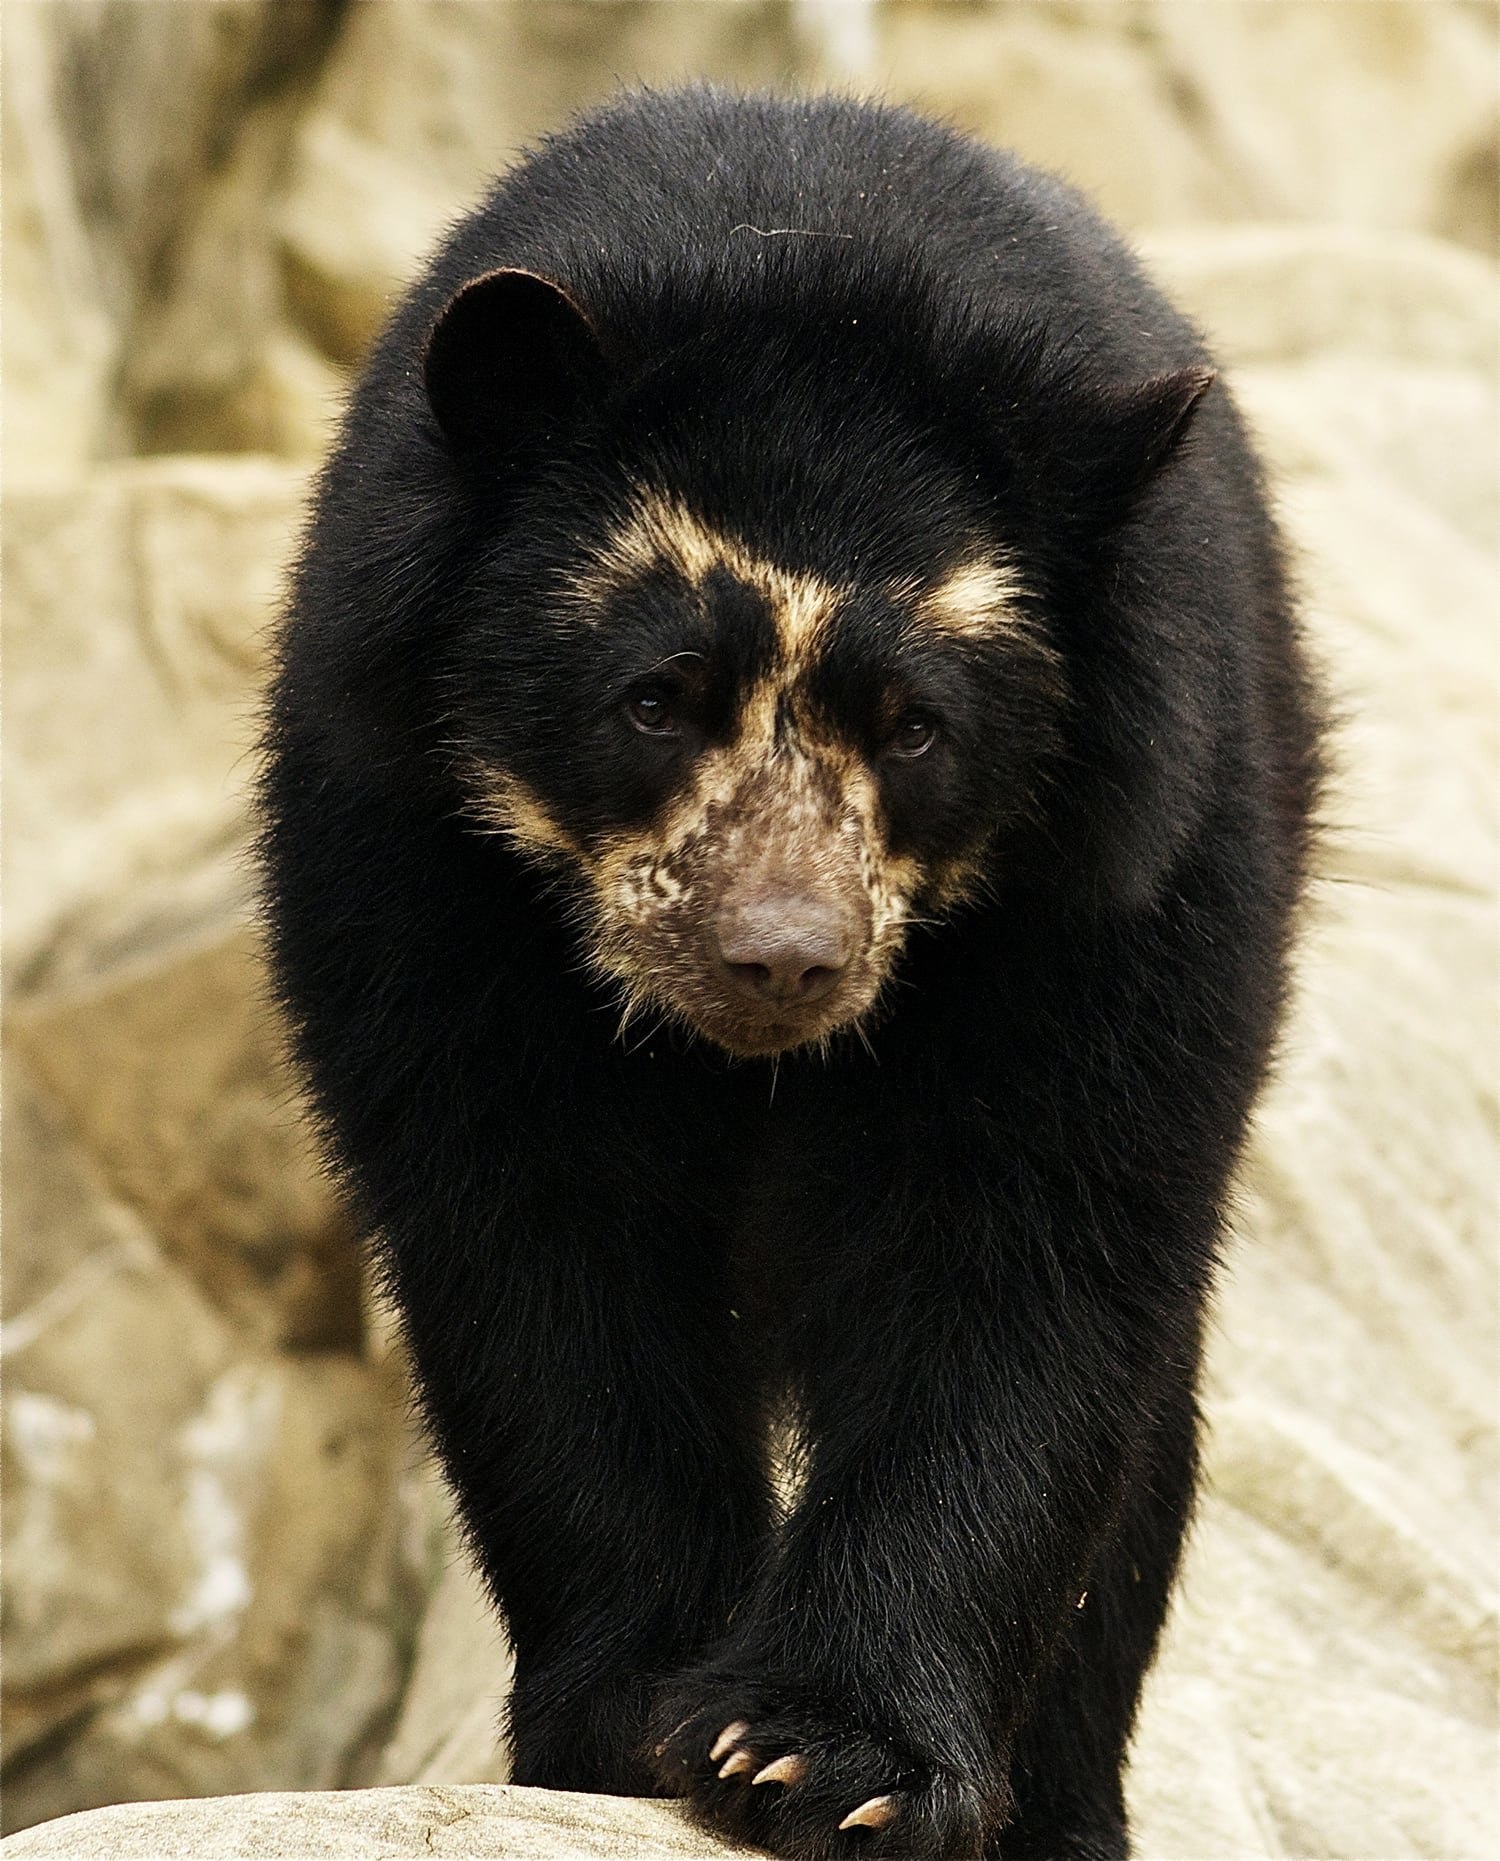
(874,1814)
(727,1740)
(788,1770)
(736,1762)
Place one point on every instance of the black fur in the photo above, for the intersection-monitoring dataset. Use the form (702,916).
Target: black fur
(971,1252)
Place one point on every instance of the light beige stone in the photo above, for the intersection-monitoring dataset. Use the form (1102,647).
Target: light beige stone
(137,598)
(208,1573)
(1429,435)
(211,365)
(1363,115)
(171,1076)
(1373,114)
(88,1576)
(394,1824)
(203,1558)
(60,330)
(1287,292)
(449,1729)
(1074,89)
(117,117)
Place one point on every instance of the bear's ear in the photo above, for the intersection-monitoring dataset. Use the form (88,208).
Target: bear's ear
(1128,434)
(509,350)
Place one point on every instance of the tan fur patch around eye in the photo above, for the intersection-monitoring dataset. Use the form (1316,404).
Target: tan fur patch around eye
(663,532)
(975,601)
(983,600)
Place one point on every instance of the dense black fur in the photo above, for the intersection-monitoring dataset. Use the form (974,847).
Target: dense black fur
(972,1251)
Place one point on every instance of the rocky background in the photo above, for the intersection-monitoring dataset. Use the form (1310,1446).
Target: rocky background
(225,1566)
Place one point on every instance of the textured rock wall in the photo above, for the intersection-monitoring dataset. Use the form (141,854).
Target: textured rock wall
(224,1568)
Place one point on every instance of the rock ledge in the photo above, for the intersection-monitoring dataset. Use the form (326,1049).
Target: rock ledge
(406,1824)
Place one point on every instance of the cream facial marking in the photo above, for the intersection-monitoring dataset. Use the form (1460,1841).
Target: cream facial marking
(662,532)
(974,602)
(983,600)
(502,804)
(978,600)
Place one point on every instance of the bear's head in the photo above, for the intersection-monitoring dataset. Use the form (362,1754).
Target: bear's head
(746,660)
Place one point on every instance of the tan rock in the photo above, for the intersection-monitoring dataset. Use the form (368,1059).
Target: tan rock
(449,1729)
(60,332)
(116,115)
(395,1824)
(170,1074)
(137,597)
(210,366)
(1072,88)
(208,1577)
(88,1576)
(204,1562)
(1286,292)
(1378,115)
(1372,116)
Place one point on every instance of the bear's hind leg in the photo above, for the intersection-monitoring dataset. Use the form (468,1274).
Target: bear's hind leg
(1070,1752)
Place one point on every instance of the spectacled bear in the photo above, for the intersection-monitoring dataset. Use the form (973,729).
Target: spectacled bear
(787,784)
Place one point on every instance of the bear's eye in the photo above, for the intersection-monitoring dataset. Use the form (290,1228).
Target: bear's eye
(914,735)
(650,710)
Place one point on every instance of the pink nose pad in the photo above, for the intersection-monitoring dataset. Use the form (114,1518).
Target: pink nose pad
(784,948)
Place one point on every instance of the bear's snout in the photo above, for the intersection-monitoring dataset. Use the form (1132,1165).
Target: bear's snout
(784,948)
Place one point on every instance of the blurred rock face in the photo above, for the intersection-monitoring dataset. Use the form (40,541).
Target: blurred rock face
(222,1569)
(206,205)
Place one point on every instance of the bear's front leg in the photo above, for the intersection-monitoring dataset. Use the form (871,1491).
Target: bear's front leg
(565,1301)
(980,1402)
(606,1462)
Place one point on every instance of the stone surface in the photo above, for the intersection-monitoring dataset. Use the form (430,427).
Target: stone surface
(1370,114)
(137,599)
(1077,89)
(1284,94)
(170,1076)
(1283,292)
(204,1573)
(213,365)
(212,1566)
(449,1729)
(118,120)
(58,342)
(393,1824)
(88,1577)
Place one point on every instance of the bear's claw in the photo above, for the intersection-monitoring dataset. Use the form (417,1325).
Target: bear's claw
(874,1814)
(727,1739)
(788,1770)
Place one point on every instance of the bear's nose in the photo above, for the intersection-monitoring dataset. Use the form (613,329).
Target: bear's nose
(784,948)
